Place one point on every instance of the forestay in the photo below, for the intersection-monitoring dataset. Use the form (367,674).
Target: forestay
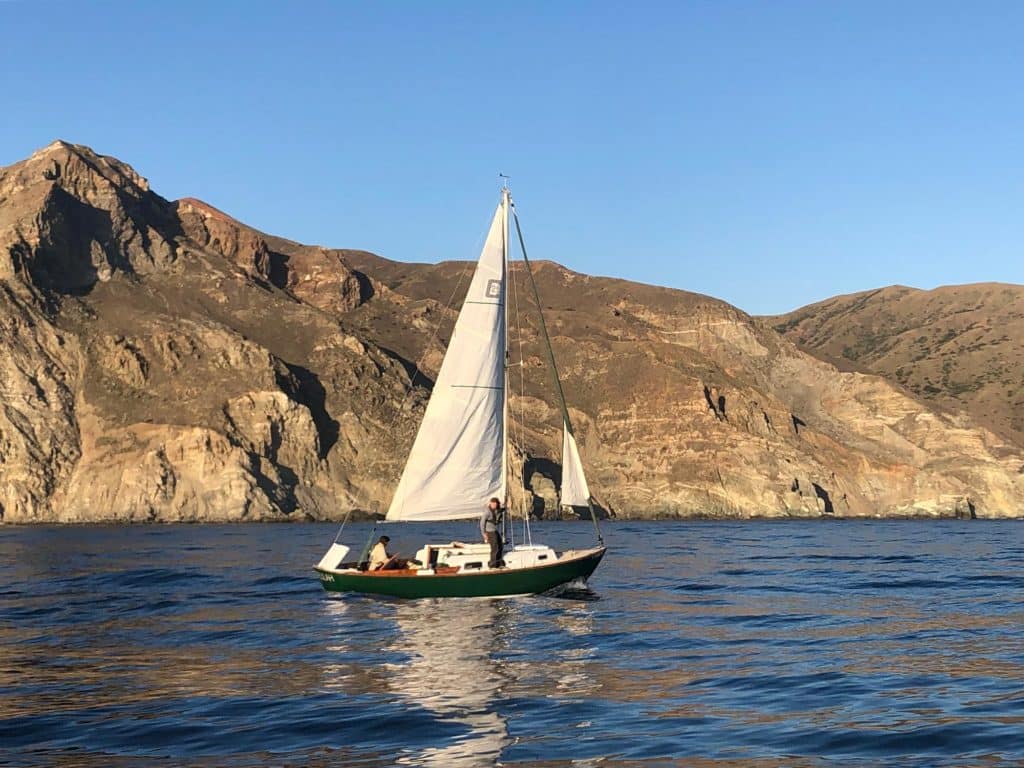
(457,461)
(575,491)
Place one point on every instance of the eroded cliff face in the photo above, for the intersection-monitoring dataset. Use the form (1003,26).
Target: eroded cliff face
(39,442)
(162,361)
(686,406)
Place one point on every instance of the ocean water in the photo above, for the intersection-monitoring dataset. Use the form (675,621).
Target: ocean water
(700,644)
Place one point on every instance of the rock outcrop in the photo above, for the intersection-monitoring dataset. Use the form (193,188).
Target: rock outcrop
(163,361)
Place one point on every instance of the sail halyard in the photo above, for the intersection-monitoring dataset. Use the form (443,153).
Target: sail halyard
(459,456)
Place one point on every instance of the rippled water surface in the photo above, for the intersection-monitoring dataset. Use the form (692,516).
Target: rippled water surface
(705,644)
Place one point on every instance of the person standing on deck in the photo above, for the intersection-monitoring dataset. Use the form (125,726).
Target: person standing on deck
(490,529)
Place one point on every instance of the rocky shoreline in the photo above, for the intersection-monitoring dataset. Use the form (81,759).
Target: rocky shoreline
(379,517)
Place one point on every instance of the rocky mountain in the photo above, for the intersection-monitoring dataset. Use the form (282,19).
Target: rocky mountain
(162,361)
(959,348)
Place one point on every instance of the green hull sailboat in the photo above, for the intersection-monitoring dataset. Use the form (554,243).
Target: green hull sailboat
(460,459)
(572,567)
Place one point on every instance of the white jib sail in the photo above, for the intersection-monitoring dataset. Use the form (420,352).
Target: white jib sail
(457,460)
(575,491)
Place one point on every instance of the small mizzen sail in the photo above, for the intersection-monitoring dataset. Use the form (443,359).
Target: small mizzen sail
(575,491)
(457,461)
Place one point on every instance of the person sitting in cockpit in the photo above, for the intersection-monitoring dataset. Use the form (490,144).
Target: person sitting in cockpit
(379,557)
(382,560)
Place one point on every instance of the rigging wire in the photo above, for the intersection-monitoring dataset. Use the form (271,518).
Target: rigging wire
(521,442)
(551,358)
(344,522)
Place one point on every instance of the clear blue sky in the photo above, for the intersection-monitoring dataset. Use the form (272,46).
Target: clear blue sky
(768,153)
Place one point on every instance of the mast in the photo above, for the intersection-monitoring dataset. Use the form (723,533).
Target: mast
(505,394)
(551,358)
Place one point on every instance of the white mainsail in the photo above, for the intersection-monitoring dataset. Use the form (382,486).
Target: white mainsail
(575,491)
(457,461)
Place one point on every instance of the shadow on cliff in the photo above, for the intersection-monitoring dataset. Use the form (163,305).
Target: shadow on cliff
(552,470)
(278,270)
(417,376)
(307,389)
(81,236)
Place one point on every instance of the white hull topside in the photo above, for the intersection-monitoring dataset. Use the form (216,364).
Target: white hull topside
(467,558)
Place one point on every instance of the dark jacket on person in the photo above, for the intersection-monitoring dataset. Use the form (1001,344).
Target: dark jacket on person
(490,521)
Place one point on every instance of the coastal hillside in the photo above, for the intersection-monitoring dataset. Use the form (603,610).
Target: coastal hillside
(959,348)
(163,361)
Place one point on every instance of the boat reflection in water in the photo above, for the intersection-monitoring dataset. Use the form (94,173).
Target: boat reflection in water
(451,672)
(436,660)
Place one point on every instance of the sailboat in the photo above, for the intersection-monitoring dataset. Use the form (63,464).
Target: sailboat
(460,459)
